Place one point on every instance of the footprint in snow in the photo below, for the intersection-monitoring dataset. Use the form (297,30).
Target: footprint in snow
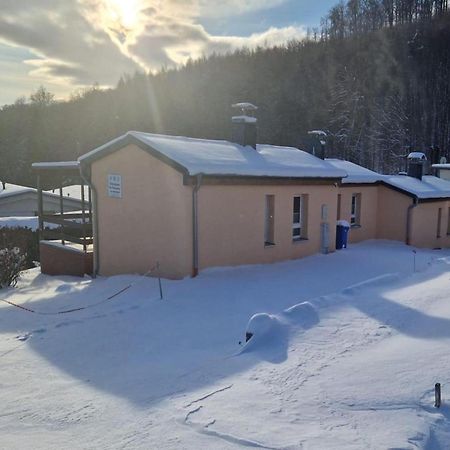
(26,336)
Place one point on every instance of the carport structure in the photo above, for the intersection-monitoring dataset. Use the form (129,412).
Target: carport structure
(65,238)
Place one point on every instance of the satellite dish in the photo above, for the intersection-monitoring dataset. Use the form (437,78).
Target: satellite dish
(443,160)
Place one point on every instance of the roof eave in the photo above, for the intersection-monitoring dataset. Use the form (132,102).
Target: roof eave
(121,142)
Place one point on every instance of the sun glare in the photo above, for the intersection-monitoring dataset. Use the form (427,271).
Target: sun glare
(125,12)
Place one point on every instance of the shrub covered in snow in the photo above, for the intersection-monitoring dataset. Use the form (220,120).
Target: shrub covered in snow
(12,261)
(26,239)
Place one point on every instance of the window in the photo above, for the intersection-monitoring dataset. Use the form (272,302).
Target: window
(355,216)
(448,222)
(299,217)
(269,220)
(439,220)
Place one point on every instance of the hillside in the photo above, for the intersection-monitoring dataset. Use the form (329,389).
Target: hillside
(374,75)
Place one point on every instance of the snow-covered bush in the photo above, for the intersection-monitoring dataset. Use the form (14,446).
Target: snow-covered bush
(26,239)
(12,261)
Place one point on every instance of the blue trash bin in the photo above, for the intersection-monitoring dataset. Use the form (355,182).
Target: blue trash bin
(342,230)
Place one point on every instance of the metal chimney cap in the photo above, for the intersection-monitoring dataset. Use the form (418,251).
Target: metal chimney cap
(317,133)
(417,155)
(244,107)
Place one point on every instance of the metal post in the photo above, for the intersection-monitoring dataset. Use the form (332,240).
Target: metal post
(159,282)
(61,208)
(40,208)
(415,252)
(437,395)
(83,217)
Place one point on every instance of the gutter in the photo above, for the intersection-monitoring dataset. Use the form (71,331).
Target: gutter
(88,182)
(409,219)
(195,265)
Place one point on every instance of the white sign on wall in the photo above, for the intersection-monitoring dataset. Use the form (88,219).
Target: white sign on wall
(115,185)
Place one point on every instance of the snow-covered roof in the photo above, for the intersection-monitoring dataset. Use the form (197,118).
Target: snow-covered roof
(417,155)
(14,189)
(356,173)
(56,165)
(224,158)
(73,191)
(441,166)
(243,119)
(427,188)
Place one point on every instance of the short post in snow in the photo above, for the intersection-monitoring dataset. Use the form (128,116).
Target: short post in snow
(159,281)
(437,395)
(414,252)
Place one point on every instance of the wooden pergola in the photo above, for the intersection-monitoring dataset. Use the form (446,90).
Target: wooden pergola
(74,227)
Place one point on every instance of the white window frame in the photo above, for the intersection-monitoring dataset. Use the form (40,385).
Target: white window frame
(355,210)
(300,222)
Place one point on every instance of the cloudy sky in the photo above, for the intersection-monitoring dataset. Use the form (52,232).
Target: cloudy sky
(69,44)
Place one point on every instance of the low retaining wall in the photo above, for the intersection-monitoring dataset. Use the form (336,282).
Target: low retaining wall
(58,259)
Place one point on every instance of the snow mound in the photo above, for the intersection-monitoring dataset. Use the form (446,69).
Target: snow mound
(270,332)
(303,314)
(261,324)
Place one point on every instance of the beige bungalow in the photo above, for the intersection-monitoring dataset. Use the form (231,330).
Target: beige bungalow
(411,209)
(188,204)
(184,204)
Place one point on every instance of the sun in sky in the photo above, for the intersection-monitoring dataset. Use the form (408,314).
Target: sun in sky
(125,13)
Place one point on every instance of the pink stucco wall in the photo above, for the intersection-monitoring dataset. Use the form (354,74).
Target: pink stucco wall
(231,225)
(151,223)
(367,228)
(153,219)
(425,225)
(392,214)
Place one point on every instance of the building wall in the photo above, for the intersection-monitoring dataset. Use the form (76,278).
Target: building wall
(392,214)
(232,219)
(444,174)
(425,225)
(26,205)
(367,228)
(151,223)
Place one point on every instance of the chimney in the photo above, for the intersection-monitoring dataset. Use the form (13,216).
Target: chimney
(416,163)
(318,143)
(244,125)
(435,154)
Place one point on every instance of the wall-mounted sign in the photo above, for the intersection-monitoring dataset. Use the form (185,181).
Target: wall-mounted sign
(115,185)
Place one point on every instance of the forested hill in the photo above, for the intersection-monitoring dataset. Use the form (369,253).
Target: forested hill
(375,76)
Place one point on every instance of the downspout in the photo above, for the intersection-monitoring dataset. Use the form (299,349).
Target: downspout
(195,265)
(88,182)
(409,220)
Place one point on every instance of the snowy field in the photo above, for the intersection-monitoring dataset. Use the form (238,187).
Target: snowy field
(353,369)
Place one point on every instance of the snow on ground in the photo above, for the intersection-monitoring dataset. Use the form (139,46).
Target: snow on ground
(353,368)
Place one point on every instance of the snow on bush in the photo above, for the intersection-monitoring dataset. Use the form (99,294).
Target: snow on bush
(23,238)
(12,261)
(260,324)
(264,326)
(303,314)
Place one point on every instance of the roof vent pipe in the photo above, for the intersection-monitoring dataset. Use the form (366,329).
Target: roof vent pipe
(244,125)
(416,162)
